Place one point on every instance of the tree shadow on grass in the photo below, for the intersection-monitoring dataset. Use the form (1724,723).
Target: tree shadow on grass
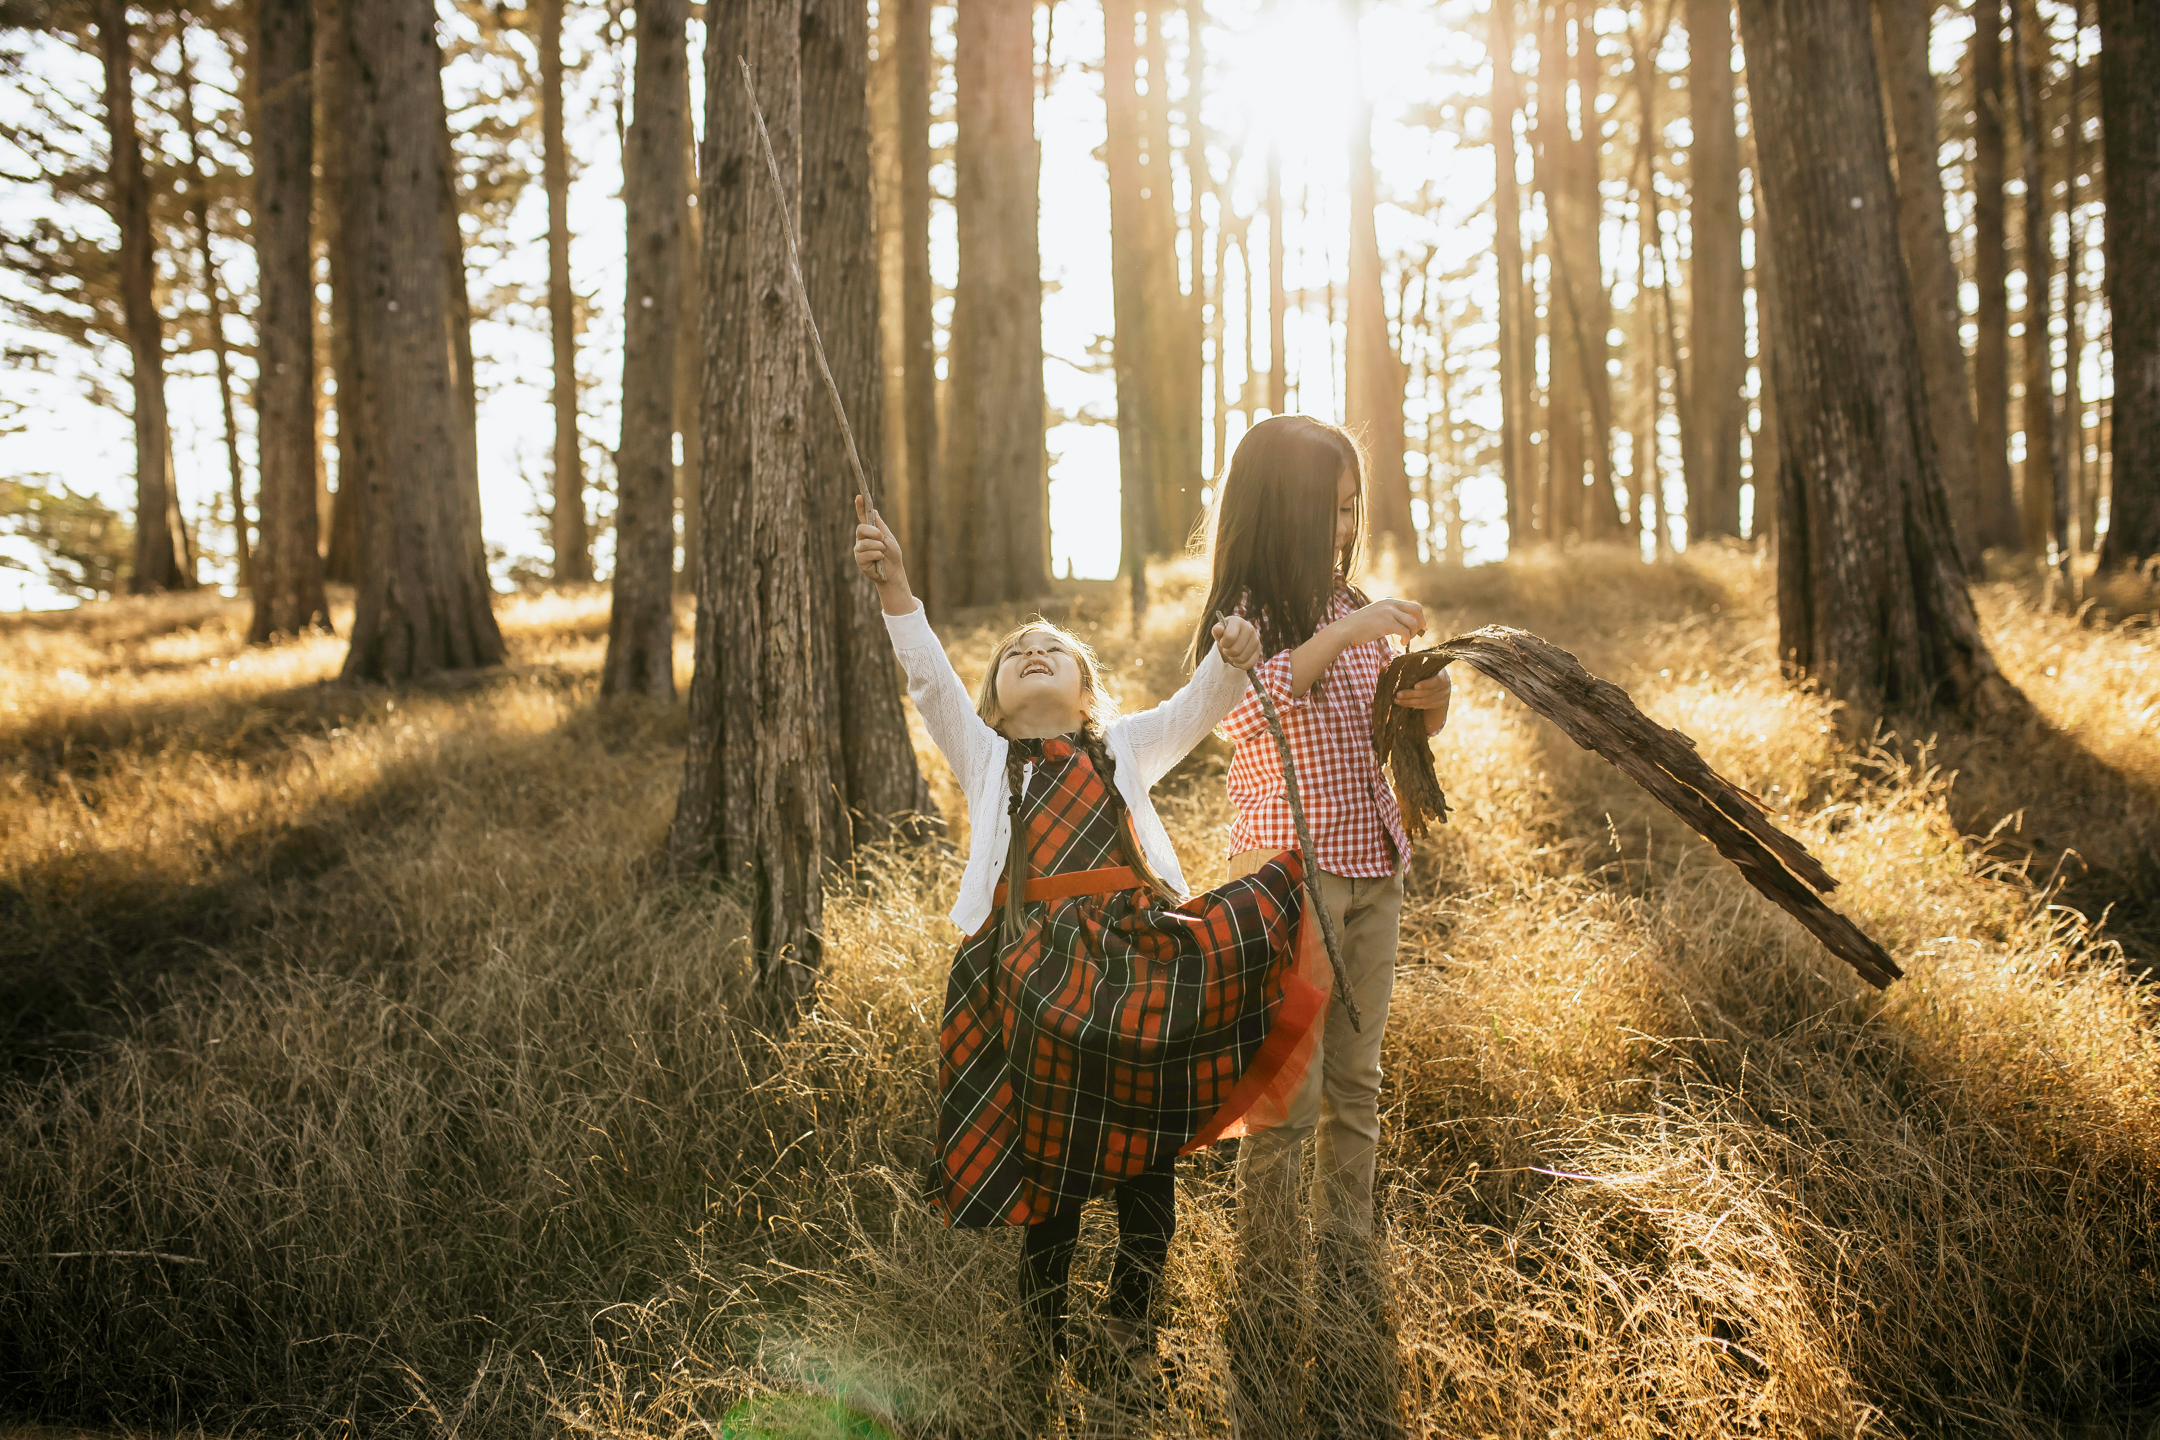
(87,938)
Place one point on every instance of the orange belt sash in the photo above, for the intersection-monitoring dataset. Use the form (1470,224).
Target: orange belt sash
(1106,881)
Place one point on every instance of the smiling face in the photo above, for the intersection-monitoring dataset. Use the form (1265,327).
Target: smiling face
(1040,686)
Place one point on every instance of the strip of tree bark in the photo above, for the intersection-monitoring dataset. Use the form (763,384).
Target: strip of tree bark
(2130,136)
(1598,715)
(162,558)
(641,613)
(1997,502)
(1717,322)
(1902,31)
(287,582)
(572,545)
(1871,593)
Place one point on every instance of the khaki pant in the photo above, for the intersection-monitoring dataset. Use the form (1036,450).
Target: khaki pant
(1338,1107)
(1339,1102)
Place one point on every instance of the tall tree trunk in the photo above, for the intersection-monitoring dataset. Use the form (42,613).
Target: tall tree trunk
(2130,138)
(641,616)
(689,377)
(2070,419)
(1507,248)
(881,783)
(791,600)
(1871,594)
(572,544)
(1139,392)
(1717,319)
(1373,377)
(336,86)
(161,546)
(424,600)
(1202,294)
(716,820)
(2036,494)
(911,85)
(1999,527)
(287,583)
(997,492)
(214,306)
(464,383)
(1173,339)
(1764,454)
(1578,313)
(1902,28)
(1561,510)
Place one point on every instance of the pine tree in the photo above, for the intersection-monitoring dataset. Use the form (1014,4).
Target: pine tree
(1871,593)
(287,583)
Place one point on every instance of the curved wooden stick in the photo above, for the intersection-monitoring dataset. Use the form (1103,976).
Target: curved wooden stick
(802,295)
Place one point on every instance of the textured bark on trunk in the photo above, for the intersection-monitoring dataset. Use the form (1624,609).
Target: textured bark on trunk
(792,604)
(288,579)
(911,97)
(1767,459)
(1592,313)
(1373,377)
(641,613)
(877,782)
(161,549)
(572,544)
(1139,396)
(689,377)
(1871,595)
(997,495)
(1902,28)
(1992,103)
(335,83)
(464,382)
(424,600)
(1717,319)
(2037,477)
(214,304)
(715,812)
(1578,490)
(2130,126)
(1173,342)
(1507,248)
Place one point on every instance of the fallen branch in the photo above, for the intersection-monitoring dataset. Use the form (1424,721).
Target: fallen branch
(1598,715)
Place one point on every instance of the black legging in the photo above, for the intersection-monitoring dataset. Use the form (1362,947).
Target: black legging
(1147,1218)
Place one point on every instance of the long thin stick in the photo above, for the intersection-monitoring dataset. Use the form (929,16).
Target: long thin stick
(1308,852)
(802,295)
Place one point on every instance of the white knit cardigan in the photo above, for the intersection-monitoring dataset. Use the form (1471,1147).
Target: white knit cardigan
(1144,746)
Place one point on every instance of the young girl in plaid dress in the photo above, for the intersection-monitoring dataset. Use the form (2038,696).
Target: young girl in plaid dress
(1283,546)
(1098,1022)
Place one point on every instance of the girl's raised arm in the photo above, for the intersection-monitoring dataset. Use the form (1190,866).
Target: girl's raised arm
(940,697)
(1166,734)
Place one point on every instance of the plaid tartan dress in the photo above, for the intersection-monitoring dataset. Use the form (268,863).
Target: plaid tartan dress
(1115,1030)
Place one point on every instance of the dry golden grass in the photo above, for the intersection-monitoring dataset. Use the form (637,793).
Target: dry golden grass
(373,1009)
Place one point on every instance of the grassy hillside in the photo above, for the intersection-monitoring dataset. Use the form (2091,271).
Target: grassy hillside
(366,1072)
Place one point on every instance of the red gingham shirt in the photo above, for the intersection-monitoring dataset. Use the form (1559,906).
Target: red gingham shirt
(1348,801)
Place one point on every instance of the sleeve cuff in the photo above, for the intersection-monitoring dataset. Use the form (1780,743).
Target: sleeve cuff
(912,630)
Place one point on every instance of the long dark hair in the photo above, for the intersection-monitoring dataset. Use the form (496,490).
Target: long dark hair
(1271,538)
